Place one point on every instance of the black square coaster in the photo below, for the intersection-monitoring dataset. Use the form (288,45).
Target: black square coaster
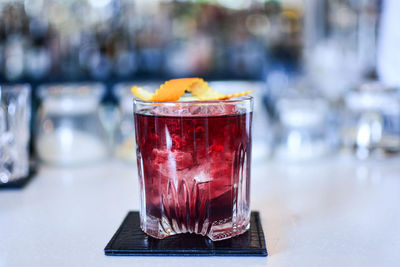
(20,183)
(130,240)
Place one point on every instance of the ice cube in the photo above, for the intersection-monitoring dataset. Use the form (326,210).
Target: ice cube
(182,159)
(167,159)
(198,110)
(219,109)
(168,110)
(160,156)
(195,109)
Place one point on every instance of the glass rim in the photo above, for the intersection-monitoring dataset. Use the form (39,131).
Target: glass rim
(231,101)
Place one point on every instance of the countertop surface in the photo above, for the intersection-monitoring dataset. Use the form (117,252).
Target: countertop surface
(331,212)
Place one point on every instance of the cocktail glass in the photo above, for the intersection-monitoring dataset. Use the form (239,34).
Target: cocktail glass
(194,166)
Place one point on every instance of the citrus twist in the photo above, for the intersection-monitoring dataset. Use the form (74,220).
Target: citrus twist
(173,90)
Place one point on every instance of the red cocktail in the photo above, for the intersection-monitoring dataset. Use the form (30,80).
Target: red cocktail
(194,166)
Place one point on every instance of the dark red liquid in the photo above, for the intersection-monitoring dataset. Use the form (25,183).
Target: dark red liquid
(192,168)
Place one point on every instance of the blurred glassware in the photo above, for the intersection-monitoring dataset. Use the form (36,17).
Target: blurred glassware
(15,114)
(303,128)
(372,120)
(69,130)
(262,128)
(110,119)
(124,143)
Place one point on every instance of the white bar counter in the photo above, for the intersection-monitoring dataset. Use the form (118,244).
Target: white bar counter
(333,212)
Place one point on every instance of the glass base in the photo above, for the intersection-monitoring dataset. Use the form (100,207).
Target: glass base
(219,230)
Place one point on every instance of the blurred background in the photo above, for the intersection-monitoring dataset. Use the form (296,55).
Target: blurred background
(325,73)
(113,40)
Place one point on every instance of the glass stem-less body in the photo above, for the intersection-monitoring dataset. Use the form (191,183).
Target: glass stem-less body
(194,171)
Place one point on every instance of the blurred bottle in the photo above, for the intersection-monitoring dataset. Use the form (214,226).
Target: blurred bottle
(340,44)
(99,40)
(14,58)
(389,43)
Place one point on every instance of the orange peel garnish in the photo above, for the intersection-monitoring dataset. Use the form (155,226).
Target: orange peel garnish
(174,89)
